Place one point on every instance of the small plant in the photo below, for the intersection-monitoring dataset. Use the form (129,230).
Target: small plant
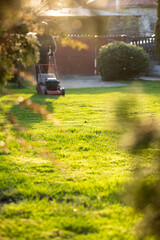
(119,61)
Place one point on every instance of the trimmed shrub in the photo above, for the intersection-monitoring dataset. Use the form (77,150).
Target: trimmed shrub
(119,61)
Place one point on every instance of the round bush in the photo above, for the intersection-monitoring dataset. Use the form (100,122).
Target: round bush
(119,61)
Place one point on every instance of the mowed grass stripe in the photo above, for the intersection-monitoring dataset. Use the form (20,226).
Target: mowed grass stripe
(73,191)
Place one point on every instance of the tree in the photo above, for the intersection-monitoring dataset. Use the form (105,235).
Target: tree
(157,31)
(17,51)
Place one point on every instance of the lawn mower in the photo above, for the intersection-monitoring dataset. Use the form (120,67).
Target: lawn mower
(47,82)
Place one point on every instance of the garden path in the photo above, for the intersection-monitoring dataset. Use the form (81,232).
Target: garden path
(75,81)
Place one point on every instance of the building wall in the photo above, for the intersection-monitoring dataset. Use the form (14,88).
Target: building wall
(71,61)
(146,21)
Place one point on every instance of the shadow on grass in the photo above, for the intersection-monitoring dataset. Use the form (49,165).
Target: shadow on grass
(18,179)
(26,116)
(29,180)
(14,89)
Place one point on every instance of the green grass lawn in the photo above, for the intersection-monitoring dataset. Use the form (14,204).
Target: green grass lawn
(73,190)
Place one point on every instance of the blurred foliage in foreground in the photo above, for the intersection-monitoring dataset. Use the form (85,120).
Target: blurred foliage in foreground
(16,50)
(144,191)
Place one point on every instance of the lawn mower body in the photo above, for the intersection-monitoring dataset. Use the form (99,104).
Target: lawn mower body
(49,85)
(47,82)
